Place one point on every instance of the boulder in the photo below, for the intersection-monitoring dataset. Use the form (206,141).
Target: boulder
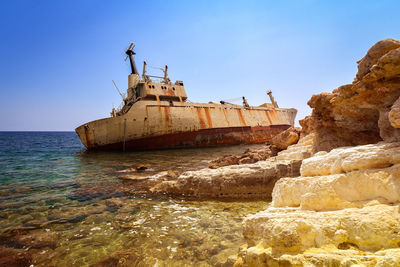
(286,138)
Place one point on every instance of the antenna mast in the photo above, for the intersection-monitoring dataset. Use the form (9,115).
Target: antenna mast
(129,52)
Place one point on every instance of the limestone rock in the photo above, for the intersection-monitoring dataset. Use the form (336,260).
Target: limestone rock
(328,256)
(374,54)
(248,156)
(338,191)
(348,159)
(306,126)
(343,210)
(302,150)
(386,129)
(291,230)
(236,181)
(394,114)
(349,115)
(286,138)
(244,181)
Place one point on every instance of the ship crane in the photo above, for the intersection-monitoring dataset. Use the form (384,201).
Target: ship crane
(164,78)
(228,101)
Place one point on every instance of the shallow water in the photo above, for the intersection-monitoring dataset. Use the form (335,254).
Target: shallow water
(39,171)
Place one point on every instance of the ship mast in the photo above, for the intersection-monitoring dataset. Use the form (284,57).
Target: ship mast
(129,52)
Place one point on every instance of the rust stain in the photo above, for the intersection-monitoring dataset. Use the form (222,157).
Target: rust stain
(241,117)
(269,119)
(201,119)
(88,144)
(159,104)
(170,92)
(206,137)
(166,113)
(226,116)
(207,111)
(273,114)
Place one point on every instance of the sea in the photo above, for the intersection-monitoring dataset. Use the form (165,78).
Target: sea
(43,213)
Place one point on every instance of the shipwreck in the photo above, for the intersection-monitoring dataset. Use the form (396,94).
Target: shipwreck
(157,115)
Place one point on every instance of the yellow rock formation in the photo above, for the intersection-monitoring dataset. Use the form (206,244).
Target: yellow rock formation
(344,209)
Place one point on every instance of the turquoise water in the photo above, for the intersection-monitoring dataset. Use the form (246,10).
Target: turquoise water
(41,172)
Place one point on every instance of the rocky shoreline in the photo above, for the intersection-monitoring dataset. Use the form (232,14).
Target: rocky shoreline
(334,184)
(343,209)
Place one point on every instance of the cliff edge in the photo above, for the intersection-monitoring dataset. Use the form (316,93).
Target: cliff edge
(344,208)
(366,111)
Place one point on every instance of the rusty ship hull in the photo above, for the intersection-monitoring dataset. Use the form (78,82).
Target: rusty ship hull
(157,115)
(158,125)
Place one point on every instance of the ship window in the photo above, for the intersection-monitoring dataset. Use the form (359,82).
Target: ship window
(173,88)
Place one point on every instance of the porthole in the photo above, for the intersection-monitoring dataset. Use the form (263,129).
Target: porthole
(173,88)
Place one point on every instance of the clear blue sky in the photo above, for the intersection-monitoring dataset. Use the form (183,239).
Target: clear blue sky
(57,58)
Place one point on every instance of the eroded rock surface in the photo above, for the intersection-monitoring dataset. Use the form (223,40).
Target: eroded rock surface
(236,181)
(249,156)
(344,208)
(349,115)
(244,181)
(394,114)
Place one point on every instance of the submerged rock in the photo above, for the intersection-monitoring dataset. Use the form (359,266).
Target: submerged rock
(24,238)
(142,167)
(120,258)
(11,257)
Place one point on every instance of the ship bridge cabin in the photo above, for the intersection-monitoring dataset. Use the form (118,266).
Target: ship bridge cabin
(147,89)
